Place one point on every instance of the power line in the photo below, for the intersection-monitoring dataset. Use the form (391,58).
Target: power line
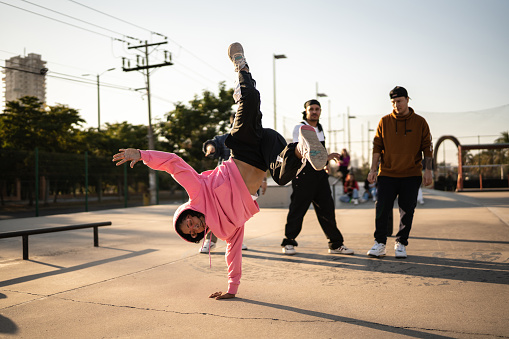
(86,22)
(114,17)
(152,32)
(104,35)
(63,22)
(69,78)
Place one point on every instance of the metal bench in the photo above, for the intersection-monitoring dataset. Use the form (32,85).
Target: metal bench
(26,233)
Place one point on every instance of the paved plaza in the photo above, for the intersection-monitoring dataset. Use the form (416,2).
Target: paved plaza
(144,282)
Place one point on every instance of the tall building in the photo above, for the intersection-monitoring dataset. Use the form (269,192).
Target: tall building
(25,76)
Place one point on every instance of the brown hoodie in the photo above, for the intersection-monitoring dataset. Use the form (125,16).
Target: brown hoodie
(401,141)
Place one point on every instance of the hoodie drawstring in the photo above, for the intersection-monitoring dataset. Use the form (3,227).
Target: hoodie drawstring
(397,126)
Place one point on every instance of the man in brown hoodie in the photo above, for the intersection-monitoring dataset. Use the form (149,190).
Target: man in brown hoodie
(401,139)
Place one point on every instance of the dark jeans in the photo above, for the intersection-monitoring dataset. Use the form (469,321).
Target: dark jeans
(344,171)
(312,186)
(405,189)
(260,147)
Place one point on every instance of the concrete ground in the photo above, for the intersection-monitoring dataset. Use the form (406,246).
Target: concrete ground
(144,282)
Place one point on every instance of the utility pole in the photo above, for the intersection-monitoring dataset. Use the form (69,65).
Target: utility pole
(145,66)
(348,120)
(369,130)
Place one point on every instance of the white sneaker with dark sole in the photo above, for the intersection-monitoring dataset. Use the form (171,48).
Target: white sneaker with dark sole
(341,250)
(289,250)
(207,246)
(311,148)
(378,250)
(236,55)
(400,250)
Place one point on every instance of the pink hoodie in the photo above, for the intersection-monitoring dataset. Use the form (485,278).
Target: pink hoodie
(221,195)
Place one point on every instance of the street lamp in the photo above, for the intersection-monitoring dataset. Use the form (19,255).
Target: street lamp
(348,118)
(99,97)
(369,130)
(275,56)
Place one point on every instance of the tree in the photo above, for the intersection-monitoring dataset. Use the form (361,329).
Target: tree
(25,124)
(187,127)
(503,139)
(502,155)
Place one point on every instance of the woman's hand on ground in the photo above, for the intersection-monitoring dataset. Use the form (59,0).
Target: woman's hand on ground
(127,154)
(220,295)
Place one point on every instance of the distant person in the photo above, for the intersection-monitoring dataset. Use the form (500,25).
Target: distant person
(223,199)
(216,149)
(344,162)
(369,190)
(401,139)
(350,190)
(311,186)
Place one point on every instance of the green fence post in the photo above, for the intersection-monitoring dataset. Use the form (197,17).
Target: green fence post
(86,181)
(125,184)
(37,181)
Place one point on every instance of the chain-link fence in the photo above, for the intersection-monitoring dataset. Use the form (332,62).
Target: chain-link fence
(34,183)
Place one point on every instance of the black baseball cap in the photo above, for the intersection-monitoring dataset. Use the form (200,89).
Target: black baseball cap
(398,91)
(312,102)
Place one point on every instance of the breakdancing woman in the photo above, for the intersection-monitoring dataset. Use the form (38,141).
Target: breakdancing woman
(223,199)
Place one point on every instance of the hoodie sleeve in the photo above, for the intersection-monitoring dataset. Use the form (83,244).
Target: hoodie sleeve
(378,142)
(234,259)
(171,163)
(426,143)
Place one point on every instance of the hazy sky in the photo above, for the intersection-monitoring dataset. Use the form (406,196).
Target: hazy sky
(451,55)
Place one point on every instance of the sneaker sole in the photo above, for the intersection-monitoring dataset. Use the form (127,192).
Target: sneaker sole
(330,252)
(317,154)
(235,48)
(376,256)
(289,253)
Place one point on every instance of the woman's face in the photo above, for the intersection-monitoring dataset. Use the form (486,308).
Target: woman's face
(193,225)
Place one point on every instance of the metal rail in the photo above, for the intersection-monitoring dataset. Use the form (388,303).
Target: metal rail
(24,234)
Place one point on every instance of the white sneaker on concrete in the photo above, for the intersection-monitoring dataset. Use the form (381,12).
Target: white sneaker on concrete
(341,250)
(378,250)
(289,250)
(206,244)
(400,250)
(244,247)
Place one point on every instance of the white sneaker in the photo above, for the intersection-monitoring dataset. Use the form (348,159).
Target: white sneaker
(400,250)
(378,250)
(341,250)
(356,201)
(421,201)
(289,250)
(206,244)
(236,55)
(244,247)
(311,148)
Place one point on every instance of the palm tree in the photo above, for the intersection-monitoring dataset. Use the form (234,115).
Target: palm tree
(503,139)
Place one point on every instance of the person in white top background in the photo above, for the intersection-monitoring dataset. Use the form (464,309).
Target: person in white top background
(312,186)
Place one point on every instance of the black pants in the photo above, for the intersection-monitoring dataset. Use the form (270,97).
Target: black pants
(405,189)
(312,186)
(260,147)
